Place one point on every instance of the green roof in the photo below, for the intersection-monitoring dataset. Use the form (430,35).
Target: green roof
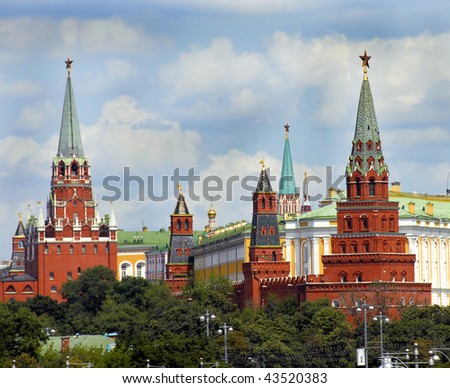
(159,239)
(325,212)
(232,231)
(86,341)
(287,178)
(441,207)
(70,137)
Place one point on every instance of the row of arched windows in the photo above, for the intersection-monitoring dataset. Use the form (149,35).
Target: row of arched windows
(186,225)
(72,249)
(74,169)
(264,231)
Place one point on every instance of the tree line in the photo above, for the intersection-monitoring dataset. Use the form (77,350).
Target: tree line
(155,328)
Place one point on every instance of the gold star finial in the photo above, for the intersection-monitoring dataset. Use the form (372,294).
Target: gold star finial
(286,130)
(365,63)
(180,188)
(68,65)
(263,166)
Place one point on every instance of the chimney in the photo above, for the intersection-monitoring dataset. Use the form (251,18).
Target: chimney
(429,209)
(65,344)
(395,187)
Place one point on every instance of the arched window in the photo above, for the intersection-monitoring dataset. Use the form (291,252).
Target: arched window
(95,249)
(20,244)
(71,249)
(274,256)
(140,270)
(58,249)
(364,223)
(263,231)
(263,203)
(69,275)
(53,289)
(83,249)
(178,225)
(62,169)
(78,270)
(125,270)
(186,225)
(45,249)
(51,276)
(335,303)
(358,187)
(74,169)
(372,187)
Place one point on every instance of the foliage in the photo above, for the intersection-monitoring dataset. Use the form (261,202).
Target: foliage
(156,328)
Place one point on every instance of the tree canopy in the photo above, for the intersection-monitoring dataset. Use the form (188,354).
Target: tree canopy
(155,327)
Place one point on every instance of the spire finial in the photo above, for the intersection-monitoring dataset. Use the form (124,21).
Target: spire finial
(286,130)
(263,166)
(20,216)
(180,188)
(365,63)
(68,65)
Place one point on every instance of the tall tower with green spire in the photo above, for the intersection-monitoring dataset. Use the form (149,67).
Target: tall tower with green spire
(288,197)
(367,174)
(368,245)
(72,237)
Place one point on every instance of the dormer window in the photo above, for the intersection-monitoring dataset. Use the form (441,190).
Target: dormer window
(62,169)
(74,169)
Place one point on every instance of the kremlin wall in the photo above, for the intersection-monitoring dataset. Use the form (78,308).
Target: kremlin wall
(370,244)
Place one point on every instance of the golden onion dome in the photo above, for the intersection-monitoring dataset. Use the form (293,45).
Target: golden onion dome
(212,213)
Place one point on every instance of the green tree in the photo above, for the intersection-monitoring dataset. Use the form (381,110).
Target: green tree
(90,289)
(21,334)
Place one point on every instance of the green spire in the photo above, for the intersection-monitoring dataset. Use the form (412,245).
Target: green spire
(366,147)
(287,178)
(69,137)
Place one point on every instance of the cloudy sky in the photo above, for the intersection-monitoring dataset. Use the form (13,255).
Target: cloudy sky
(204,88)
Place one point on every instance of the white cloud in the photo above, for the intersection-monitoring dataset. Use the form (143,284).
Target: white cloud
(139,139)
(19,88)
(217,68)
(60,36)
(34,116)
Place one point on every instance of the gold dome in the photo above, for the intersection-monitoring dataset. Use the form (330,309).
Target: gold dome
(212,213)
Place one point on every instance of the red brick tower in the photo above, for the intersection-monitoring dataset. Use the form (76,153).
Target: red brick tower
(368,247)
(72,237)
(265,251)
(181,262)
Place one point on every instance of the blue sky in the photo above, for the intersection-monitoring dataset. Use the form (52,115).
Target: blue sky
(208,85)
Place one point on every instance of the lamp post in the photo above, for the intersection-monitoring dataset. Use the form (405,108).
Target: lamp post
(381,318)
(224,330)
(434,355)
(206,317)
(363,307)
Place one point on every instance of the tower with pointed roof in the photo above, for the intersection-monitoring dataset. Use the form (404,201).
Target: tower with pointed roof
(71,237)
(180,261)
(288,197)
(18,250)
(265,251)
(368,247)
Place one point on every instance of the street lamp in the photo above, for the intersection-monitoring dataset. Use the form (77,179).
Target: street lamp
(224,330)
(381,318)
(363,307)
(206,317)
(434,355)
